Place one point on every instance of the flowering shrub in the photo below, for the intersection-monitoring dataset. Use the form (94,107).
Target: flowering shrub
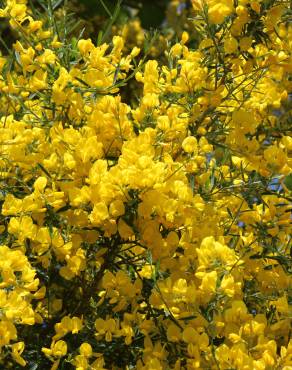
(156,233)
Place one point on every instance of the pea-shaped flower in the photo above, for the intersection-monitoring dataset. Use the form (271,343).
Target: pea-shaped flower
(190,144)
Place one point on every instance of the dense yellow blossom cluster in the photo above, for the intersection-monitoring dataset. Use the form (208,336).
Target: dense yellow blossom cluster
(153,236)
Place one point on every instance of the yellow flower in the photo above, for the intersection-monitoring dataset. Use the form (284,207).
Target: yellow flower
(213,253)
(106,328)
(40,184)
(219,10)
(275,157)
(85,349)
(227,285)
(230,45)
(99,213)
(245,43)
(17,349)
(85,46)
(58,349)
(7,331)
(190,144)
(190,335)
(209,281)
(124,229)
(117,208)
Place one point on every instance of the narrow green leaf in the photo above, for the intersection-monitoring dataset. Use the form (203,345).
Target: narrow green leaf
(288,182)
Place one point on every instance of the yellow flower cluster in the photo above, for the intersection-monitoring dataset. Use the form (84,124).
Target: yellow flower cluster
(155,235)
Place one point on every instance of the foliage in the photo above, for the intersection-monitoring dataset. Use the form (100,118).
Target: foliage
(146,188)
